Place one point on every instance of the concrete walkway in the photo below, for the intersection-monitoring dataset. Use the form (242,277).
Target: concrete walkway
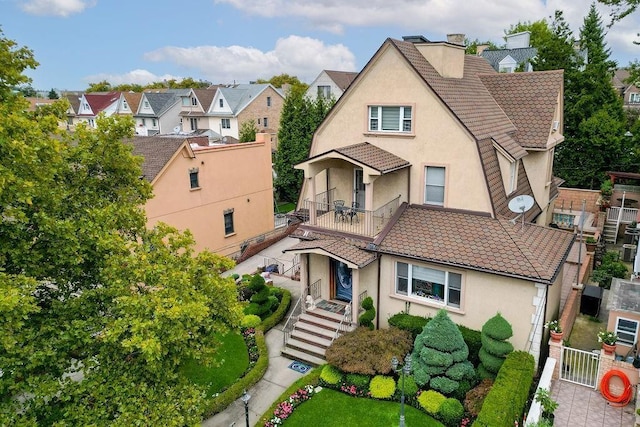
(278,376)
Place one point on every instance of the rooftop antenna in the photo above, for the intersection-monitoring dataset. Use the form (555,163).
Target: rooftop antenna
(520,205)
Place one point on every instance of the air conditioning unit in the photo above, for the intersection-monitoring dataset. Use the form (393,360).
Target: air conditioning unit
(556,125)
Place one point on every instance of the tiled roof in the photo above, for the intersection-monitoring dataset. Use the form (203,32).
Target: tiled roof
(156,151)
(346,249)
(467,97)
(133,100)
(241,95)
(205,96)
(520,55)
(342,79)
(74,100)
(530,100)
(478,242)
(100,101)
(374,157)
(496,187)
(159,102)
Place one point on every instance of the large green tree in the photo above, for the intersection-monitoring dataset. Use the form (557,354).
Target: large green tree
(97,311)
(300,118)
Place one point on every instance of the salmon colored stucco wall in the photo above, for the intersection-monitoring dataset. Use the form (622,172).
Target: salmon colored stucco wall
(236,176)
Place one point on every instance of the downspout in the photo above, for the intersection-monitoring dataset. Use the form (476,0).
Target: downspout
(378,297)
(308,275)
(409,185)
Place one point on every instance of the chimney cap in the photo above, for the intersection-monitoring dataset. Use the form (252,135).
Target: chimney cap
(455,39)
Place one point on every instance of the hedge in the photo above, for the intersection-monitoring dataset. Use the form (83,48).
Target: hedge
(382,387)
(231,394)
(431,401)
(415,324)
(505,402)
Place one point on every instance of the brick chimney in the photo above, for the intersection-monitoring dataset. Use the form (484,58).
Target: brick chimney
(446,57)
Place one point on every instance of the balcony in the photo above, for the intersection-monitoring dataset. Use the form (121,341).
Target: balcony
(346,219)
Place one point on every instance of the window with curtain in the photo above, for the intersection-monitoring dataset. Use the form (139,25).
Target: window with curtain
(430,284)
(390,119)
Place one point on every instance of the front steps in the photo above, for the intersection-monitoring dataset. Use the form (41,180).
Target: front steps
(312,334)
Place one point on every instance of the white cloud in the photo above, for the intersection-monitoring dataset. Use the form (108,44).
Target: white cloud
(482,19)
(62,8)
(141,77)
(303,57)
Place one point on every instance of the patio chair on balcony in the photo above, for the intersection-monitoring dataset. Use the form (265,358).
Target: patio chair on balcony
(339,210)
(353,212)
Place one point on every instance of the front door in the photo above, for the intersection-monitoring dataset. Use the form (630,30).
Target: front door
(342,284)
(358,188)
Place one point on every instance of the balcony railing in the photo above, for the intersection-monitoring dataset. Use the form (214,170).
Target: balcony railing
(627,216)
(352,220)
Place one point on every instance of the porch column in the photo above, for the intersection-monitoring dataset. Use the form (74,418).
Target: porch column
(368,206)
(312,208)
(304,283)
(355,289)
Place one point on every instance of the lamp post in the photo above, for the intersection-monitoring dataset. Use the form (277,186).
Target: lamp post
(245,399)
(404,370)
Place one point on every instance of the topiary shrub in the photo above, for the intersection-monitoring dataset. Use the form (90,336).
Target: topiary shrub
(431,401)
(382,387)
(330,375)
(262,301)
(475,397)
(440,356)
(495,347)
(364,351)
(450,412)
(250,321)
(366,318)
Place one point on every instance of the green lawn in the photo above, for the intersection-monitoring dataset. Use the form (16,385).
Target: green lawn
(230,362)
(286,207)
(332,408)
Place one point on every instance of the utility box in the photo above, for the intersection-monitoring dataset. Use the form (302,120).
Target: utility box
(628,252)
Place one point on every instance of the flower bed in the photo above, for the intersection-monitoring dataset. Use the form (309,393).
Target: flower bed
(286,407)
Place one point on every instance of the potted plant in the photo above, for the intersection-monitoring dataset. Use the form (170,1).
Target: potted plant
(591,243)
(547,404)
(555,329)
(606,191)
(608,340)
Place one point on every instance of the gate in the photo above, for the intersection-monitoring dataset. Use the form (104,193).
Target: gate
(579,366)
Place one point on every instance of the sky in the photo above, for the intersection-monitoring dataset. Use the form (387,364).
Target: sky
(78,42)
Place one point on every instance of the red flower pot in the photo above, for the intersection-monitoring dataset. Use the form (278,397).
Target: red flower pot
(608,348)
(556,336)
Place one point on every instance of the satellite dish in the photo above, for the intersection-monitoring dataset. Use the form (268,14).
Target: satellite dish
(520,205)
(176,129)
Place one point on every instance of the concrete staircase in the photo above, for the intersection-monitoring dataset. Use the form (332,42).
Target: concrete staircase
(312,334)
(609,232)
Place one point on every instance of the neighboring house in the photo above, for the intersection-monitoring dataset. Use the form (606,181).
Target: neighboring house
(624,313)
(630,93)
(74,107)
(194,106)
(408,185)
(129,103)
(158,113)
(516,56)
(92,104)
(330,84)
(223,193)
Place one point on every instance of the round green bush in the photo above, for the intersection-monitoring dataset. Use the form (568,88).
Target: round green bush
(410,386)
(331,375)
(431,401)
(444,385)
(490,362)
(451,412)
(382,387)
(496,347)
(409,322)
(497,328)
(250,321)
(460,371)
(235,276)
(256,283)
(367,303)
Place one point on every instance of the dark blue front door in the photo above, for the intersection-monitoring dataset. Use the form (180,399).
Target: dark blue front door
(343,282)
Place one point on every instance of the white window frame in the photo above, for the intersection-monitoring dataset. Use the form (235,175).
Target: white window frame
(154,123)
(377,117)
(625,331)
(221,103)
(225,123)
(513,176)
(634,98)
(324,91)
(427,184)
(448,287)
(265,121)
(194,100)
(146,104)
(268,101)
(193,122)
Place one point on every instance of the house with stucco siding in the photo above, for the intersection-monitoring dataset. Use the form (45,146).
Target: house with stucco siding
(408,190)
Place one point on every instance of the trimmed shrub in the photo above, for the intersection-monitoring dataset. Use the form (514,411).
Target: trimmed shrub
(431,401)
(366,318)
(415,325)
(382,387)
(358,380)
(475,397)
(494,348)
(330,375)
(451,412)
(280,312)
(410,386)
(250,321)
(498,328)
(368,352)
(508,396)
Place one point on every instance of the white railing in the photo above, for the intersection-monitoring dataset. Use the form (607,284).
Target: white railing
(361,297)
(627,216)
(535,411)
(290,324)
(579,366)
(345,323)
(314,290)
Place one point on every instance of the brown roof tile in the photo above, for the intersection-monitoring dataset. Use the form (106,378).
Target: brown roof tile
(530,101)
(350,250)
(133,99)
(156,151)
(342,79)
(478,242)
(371,156)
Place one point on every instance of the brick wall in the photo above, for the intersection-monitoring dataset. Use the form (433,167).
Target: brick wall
(573,197)
(258,109)
(571,308)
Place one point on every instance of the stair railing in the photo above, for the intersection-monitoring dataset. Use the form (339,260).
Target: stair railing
(344,323)
(290,324)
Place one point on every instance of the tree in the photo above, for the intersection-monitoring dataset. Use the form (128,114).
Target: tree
(15,60)
(540,31)
(472,46)
(299,120)
(495,347)
(556,49)
(53,94)
(285,79)
(85,288)
(248,131)
(440,357)
(27,91)
(621,8)
(103,86)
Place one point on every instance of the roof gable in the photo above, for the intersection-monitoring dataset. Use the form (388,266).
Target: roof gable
(342,79)
(159,103)
(157,152)
(98,102)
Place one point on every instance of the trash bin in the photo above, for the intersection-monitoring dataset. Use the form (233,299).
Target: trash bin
(628,253)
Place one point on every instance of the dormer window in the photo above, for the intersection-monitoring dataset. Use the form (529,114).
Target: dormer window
(194,100)
(513,177)
(390,119)
(146,104)
(221,103)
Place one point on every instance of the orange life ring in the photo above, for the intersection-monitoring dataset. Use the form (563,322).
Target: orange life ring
(623,398)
